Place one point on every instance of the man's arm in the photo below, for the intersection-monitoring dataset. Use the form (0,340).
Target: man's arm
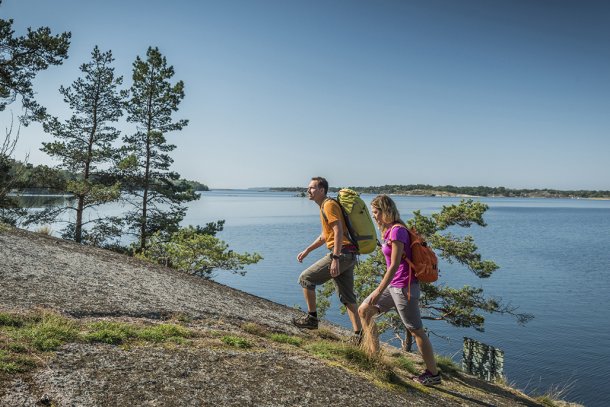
(338,245)
(316,243)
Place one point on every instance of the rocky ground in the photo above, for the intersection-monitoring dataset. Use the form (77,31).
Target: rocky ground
(89,284)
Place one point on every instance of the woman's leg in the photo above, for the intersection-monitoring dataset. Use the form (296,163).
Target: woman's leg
(370,341)
(425,347)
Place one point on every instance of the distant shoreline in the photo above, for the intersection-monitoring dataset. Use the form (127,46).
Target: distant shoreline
(466,192)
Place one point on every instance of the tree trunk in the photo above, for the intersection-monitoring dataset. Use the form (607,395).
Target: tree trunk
(78,230)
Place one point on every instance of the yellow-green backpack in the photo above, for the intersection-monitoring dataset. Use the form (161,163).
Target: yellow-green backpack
(360,227)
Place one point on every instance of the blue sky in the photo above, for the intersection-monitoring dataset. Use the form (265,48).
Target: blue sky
(471,92)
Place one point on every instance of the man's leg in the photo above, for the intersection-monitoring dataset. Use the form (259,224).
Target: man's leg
(318,273)
(344,284)
(310,299)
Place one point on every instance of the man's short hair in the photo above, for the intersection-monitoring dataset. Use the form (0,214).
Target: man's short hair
(321,183)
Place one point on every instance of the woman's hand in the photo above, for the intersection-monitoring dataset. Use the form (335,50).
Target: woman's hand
(374,296)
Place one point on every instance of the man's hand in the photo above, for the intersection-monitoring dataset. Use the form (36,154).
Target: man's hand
(302,255)
(334,268)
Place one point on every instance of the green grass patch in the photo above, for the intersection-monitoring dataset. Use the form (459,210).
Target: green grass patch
(50,332)
(447,365)
(283,338)
(11,363)
(164,333)
(7,319)
(354,356)
(112,333)
(24,338)
(407,364)
(338,351)
(236,341)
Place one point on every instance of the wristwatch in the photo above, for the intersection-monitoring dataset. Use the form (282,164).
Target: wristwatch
(334,256)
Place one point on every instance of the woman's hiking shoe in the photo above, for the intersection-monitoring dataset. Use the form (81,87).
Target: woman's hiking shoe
(428,379)
(306,321)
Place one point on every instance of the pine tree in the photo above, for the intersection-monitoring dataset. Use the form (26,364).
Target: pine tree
(21,58)
(155,193)
(84,142)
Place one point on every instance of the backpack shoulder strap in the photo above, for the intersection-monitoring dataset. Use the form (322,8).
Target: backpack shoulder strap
(348,233)
(322,207)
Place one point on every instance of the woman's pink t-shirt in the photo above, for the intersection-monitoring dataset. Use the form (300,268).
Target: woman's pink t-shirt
(402,275)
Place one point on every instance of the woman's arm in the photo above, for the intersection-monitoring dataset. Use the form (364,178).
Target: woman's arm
(397,249)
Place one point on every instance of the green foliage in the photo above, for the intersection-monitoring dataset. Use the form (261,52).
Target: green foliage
(423,189)
(236,341)
(429,190)
(194,252)
(154,192)
(22,57)
(84,142)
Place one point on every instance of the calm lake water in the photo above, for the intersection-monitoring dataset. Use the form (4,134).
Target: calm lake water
(554,258)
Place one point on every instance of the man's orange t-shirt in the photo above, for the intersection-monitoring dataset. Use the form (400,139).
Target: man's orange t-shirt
(333,213)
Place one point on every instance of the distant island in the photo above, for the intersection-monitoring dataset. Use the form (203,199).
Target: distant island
(468,191)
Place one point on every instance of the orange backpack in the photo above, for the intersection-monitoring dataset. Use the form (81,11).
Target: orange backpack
(423,262)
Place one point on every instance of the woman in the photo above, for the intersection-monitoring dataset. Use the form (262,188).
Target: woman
(393,289)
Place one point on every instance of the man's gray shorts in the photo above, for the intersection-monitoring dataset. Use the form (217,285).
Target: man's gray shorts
(319,273)
(395,297)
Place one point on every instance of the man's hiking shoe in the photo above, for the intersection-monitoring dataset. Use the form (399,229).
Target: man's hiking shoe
(306,321)
(355,340)
(428,379)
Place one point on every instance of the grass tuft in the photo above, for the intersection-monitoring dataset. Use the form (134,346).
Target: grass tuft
(163,333)
(7,319)
(283,338)
(45,230)
(446,365)
(407,364)
(355,357)
(50,332)
(112,333)
(236,341)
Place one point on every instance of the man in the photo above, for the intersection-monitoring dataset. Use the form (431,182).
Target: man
(338,264)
